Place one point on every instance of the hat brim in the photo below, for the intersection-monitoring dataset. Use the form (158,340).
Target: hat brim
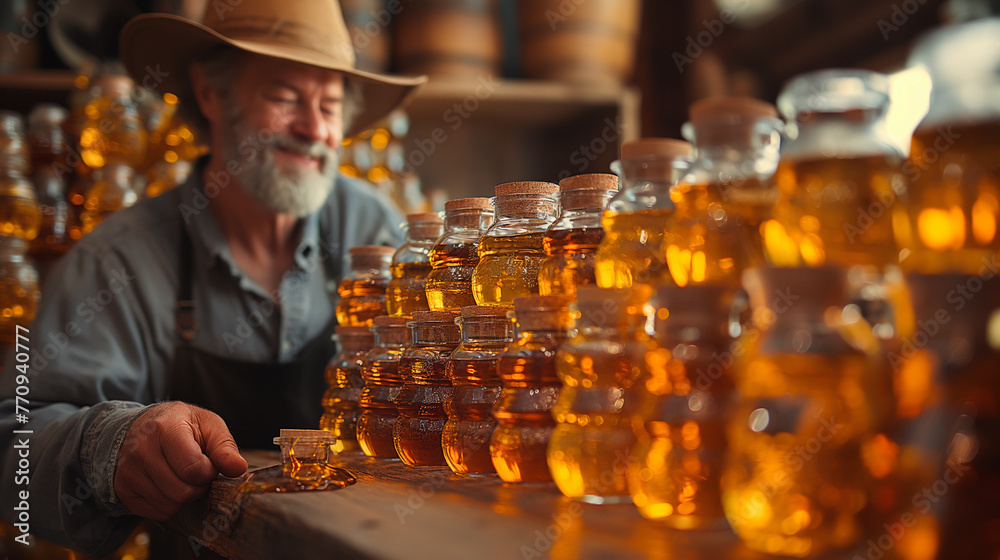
(158,49)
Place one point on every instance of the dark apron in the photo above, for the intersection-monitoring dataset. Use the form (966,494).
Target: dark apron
(256,399)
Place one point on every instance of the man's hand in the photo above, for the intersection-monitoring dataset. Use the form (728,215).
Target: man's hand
(170,456)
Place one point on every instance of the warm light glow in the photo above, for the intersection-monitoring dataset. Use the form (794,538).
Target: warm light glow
(984,219)
(941,229)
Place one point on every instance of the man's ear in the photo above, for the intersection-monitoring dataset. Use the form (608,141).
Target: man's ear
(209,99)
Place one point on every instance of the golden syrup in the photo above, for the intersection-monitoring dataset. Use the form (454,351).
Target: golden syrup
(407,291)
(19,291)
(508,268)
(344,384)
(472,369)
(111,192)
(571,262)
(527,368)
(361,300)
(715,233)
(380,371)
(426,387)
(449,284)
(950,222)
(20,214)
(632,249)
(836,211)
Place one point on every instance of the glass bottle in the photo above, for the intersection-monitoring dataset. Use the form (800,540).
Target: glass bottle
(111,191)
(344,385)
(795,481)
(839,176)
(455,254)
(527,368)
(20,215)
(53,240)
(511,251)
(411,264)
(684,408)
(571,242)
(472,368)
(588,454)
(113,130)
(725,197)
(362,291)
(380,371)
(637,218)
(19,293)
(46,136)
(164,176)
(426,387)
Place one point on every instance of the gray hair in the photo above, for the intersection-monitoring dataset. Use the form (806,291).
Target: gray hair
(221,67)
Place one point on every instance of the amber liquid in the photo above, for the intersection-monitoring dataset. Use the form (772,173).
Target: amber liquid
(18,304)
(340,405)
(361,300)
(378,413)
(954,199)
(508,268)
(835,211)
(571,261)
(588,454)
(678,459)
(524,410)
(103,199)
(716,231)
(53,233)
(417,434)
(466,436)
(406,291)
(20,215)
(632,249)
(113,132)
(449,284)
(795,481)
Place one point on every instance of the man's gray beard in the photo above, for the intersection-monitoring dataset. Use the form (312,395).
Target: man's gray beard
(299,191)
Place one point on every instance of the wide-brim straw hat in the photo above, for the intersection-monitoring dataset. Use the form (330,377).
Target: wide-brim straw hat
(307,31)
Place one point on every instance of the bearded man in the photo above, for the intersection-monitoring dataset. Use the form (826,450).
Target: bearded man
(199,322)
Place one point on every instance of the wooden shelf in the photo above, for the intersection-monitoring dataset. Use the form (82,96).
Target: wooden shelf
(21,91)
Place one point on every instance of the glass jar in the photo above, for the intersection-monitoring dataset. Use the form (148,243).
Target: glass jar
(953,205)
(20,215)
(725,196)
(19,293)
(684,408)
(380,371)
(455,254)
(472,368)
(795,481)
(113,129)
(839,176)
(511,251)
(411,264)
(527,368)
(344,385)
(638,217)
(46,137)
(571,241)
(588,454)
(362,291)
(426,387)
(112,190)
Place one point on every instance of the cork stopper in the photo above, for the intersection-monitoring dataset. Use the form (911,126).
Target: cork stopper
(355,339)
(542,312)
(484,311)
(392,330)
(390,321)
(479,321)
(434,316)
(425,225)
(730,108)
(463,203)
(115,85)
(371,257)
(526,187)
(651,148)
(607,307)
(590,190)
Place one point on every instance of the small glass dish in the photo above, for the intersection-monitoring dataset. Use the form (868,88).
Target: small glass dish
(304,447)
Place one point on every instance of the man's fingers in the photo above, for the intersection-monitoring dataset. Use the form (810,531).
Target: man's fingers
(220,446)
(184,455)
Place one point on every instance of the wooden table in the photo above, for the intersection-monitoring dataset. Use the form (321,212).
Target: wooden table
(406,513)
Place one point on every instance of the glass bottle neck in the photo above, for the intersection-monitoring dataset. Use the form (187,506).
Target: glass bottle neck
(436,333)
(468,218)
(487,330)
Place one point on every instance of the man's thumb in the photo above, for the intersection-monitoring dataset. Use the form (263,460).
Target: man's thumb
(220,448)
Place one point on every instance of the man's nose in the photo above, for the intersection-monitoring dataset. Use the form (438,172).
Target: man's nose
(310,125)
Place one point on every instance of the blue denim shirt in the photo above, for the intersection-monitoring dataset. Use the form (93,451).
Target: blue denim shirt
(101,344)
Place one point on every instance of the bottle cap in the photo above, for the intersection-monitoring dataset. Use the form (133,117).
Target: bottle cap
(590,190)
(526,187)
(371,250)
(425,225)
(434,316)
(647,148)
(730,108)
(484,311)
(474,202)
(424,217)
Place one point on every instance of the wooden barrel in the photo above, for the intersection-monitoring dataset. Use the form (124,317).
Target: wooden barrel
(368,22)
(457,38)
(580,41)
